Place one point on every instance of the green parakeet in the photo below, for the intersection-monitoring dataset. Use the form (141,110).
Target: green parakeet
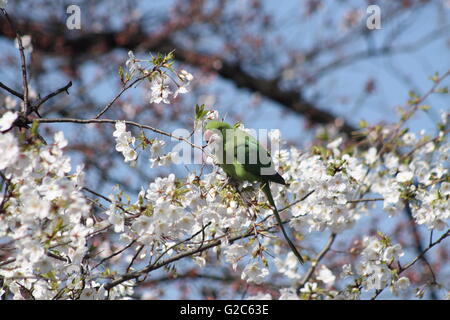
(243,158)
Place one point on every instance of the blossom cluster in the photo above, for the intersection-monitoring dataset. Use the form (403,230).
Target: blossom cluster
(376,263)
(158,157)
(333,185)
(46,222)
(125,142)
(160,80)
(419,177)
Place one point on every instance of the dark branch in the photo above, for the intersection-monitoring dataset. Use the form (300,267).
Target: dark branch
(12,91)
(51,95)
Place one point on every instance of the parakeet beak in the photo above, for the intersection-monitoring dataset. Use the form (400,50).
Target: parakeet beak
(213,136)
(208,134)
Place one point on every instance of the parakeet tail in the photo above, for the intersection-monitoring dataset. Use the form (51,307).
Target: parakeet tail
(277,178)
(266,189)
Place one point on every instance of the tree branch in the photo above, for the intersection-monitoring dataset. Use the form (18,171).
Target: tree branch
(131,123)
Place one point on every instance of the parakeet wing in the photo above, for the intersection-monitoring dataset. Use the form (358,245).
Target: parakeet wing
(253,157)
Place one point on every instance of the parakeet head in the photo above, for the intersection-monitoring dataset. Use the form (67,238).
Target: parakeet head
(212,127)
(218,125)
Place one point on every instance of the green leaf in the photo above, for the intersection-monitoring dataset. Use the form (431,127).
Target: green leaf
(143,141)
(435,77)
(200,112)
(413,95)
(424,107)
(385,240)
(363,124)
(442,90)
(414,98)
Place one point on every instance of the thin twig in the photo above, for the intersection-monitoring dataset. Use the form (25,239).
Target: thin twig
(51,95)
(135,257)
(114,254)
(12,91)
(106,108)
(181,242)
(25,107)
(97,194)
(297,201)
(418,244)
(422,144)
(414,107)
(365,200)
(316,261)
(441,238)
